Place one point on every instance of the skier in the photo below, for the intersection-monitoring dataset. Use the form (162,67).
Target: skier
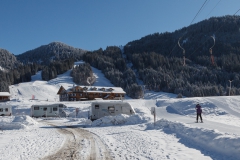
(199,112)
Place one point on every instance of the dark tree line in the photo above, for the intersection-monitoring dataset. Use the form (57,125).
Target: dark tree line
(159,61)
(82,74)
(55,51)
(55,68)
(160,73)
(114,67)
(20,74)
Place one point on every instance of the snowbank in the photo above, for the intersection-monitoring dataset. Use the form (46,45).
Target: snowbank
(186,106)
(210,140)
(16,122)
(119,120)
(25,120)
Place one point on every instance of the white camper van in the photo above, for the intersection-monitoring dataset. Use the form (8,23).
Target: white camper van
(5,110)
(51,110)
(100,109)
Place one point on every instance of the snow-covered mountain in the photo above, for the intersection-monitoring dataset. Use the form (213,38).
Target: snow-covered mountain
(7,60)
(52,51)
(174,135)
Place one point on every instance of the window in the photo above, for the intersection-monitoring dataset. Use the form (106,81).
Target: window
(55,109)
(45,108)
(6,109)
(97,106)
(36,108)
(60,105)
(111,109)
(1,110)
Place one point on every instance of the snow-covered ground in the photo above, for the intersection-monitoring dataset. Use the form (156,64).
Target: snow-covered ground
(174,135)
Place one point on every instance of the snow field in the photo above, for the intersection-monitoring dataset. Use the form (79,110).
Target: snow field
(175,134)
(24,138)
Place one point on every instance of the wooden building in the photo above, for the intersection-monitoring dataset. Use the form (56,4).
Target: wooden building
(4,96)
(83,93)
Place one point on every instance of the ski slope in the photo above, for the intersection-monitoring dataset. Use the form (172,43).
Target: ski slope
(174,135)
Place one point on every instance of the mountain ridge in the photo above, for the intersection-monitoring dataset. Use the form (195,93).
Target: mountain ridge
(53,51)
(158,61)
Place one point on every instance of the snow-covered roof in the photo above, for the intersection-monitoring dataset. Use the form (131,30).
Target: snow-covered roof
(100,89)
(5,94)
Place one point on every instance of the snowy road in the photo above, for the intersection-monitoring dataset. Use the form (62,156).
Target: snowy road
(79,144)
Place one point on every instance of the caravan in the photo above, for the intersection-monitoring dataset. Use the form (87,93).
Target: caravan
(101,108)
(5,110)
(51,110)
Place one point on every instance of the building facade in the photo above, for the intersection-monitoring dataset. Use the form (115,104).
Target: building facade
(83,93)
(4,96)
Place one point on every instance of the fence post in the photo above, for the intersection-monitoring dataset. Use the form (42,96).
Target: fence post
(153,112)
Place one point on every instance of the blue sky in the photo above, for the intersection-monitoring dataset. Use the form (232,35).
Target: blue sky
(94,24)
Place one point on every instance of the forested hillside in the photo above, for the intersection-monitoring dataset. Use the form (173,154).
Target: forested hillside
(159,60)
(19,74)
(54,51)
(83,75)
(114,67)
(7,60)
(13,72)
(154,62)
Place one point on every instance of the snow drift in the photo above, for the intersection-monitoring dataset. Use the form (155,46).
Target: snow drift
(16,122)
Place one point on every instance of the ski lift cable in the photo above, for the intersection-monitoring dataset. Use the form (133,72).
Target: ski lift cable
(186,31)
(211,36)
(190,23)
(206,2)
(198,12)
(214,8)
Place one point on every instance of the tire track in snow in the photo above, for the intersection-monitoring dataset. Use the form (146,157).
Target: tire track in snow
(79,144)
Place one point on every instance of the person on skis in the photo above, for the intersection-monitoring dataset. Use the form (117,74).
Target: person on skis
(199,112)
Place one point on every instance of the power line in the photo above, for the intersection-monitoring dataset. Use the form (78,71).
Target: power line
(214,8)
(190,24)
(198,12)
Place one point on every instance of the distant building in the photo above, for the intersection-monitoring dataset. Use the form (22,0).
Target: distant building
(83,93)
(4,96)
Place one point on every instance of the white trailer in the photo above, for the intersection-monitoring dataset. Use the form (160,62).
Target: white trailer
(48,110)
(100,109)
(5,110)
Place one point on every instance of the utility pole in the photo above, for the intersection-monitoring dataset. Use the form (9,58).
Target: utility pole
(230,86)
(143,87)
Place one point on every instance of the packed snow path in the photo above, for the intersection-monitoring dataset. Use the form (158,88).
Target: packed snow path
(79,144)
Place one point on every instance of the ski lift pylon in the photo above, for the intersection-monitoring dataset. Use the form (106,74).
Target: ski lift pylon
(182,50)
(210,50)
